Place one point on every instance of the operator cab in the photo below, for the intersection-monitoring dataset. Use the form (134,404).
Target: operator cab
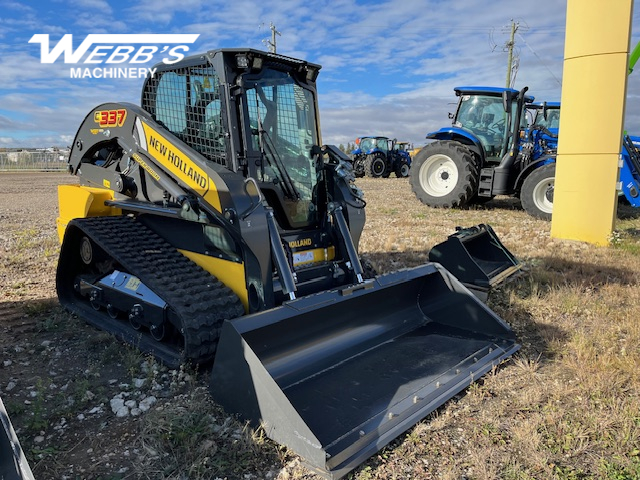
(250,112)
(545,114)
(481,112)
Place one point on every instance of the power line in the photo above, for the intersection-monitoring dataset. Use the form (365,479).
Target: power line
(540,60)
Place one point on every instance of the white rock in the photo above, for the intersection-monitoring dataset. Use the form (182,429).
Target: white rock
(10,386)
(131,403)
(46,343)
(80,417)
(116,404)
(38,439)
(7,363)
(139,382)
(123,412)
(136,412)
(147,403)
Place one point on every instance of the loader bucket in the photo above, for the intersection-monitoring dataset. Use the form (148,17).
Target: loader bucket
(337,375)
(477,258)
(13,464)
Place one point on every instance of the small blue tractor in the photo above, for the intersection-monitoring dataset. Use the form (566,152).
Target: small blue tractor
(379,156)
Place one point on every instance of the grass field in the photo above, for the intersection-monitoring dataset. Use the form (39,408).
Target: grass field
(566,406)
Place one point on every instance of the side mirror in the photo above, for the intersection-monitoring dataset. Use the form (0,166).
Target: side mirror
(506,101)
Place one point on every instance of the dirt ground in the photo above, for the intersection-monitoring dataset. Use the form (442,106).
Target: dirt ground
(59,376)
(47,357)
(86,406)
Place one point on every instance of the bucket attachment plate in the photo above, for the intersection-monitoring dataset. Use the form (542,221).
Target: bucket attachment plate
(338,375)
(477,258)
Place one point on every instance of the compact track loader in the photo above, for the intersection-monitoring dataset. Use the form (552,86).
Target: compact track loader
(210,222)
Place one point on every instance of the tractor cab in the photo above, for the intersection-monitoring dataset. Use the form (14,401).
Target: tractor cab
(403,147)
(368,145)
(544,114)
(485,117)
(542,131)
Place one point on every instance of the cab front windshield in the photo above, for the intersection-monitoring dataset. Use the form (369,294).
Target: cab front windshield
(282,120)
(552,120)
(370,143)
(484,117)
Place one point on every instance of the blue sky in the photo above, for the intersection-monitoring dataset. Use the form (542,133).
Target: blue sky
(389,67)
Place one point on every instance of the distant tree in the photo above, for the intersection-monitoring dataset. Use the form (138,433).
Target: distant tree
(342,148)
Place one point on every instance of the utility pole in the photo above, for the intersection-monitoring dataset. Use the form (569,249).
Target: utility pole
(272,43)
(509,46)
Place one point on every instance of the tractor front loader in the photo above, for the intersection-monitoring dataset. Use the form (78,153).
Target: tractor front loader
(211,224)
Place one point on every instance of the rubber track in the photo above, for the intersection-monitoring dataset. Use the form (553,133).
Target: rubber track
(201,301)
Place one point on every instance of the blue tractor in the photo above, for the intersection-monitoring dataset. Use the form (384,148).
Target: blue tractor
(379,156)
(491,150)
(545,118)
(486,152)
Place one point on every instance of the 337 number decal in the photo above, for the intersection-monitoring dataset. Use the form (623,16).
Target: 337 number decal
(110,118)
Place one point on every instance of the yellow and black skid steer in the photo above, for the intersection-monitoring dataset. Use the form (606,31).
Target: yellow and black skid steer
(210,223)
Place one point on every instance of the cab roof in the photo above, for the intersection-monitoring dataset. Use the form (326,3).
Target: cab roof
(489,91)
(553,105)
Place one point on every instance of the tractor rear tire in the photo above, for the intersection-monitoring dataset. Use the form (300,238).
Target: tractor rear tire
(375,166)
(402,168)
(536,194)
(444,174)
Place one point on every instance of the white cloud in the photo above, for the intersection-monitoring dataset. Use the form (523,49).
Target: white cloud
(17,6)
(388,66)
(161,12)
(98,7)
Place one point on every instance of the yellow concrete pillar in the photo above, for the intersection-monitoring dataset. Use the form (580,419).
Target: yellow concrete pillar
(593,94)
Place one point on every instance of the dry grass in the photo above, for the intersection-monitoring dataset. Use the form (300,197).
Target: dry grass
(193,438)
(567,406)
